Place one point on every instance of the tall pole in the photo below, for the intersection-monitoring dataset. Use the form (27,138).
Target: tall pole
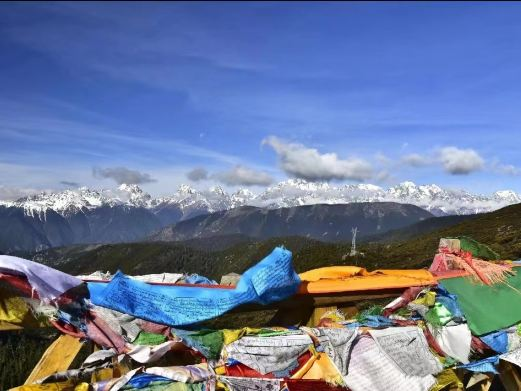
(353,242)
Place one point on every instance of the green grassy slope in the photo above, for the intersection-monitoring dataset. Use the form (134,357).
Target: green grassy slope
(501,230)
(420,228)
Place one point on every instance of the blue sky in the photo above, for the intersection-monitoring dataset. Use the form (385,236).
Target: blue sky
(253,93)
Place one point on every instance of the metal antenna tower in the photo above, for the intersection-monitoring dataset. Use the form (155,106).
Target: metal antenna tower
(353,242)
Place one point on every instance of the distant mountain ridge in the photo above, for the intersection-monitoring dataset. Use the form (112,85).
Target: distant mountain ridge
(322,221)
(128,213)
(105,224)
(188,202)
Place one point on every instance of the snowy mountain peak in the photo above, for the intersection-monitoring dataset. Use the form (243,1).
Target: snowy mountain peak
(368,187)
(218,190)
(244,193)
(508,196)
(408,184)
(404,189)
(411,190)
(135,195)
(65,202)
(186,190)
(292,192)
(132,188)
(305,185)
(431,190)
(241,197)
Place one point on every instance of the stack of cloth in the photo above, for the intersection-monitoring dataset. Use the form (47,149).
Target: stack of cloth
(441,333)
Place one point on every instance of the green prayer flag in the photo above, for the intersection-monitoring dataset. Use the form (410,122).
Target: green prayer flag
(487,308)
(145,338)
(478,250)
(438,315)
(208,342)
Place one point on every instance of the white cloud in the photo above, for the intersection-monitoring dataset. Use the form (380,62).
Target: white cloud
(458,161)
(243,176)
(70,183)
(122,175)
(197,174)
(11,193)
(383,176)
(308,163)
(415,160)
(382,159)
(506,169)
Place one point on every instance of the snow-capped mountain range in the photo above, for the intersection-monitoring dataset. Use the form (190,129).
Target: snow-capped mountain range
(293,192)
(126,214)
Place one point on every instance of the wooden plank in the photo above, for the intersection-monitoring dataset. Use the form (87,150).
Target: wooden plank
(353,298)
(58,357)
(509,375)
(323,300)
(6,326)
